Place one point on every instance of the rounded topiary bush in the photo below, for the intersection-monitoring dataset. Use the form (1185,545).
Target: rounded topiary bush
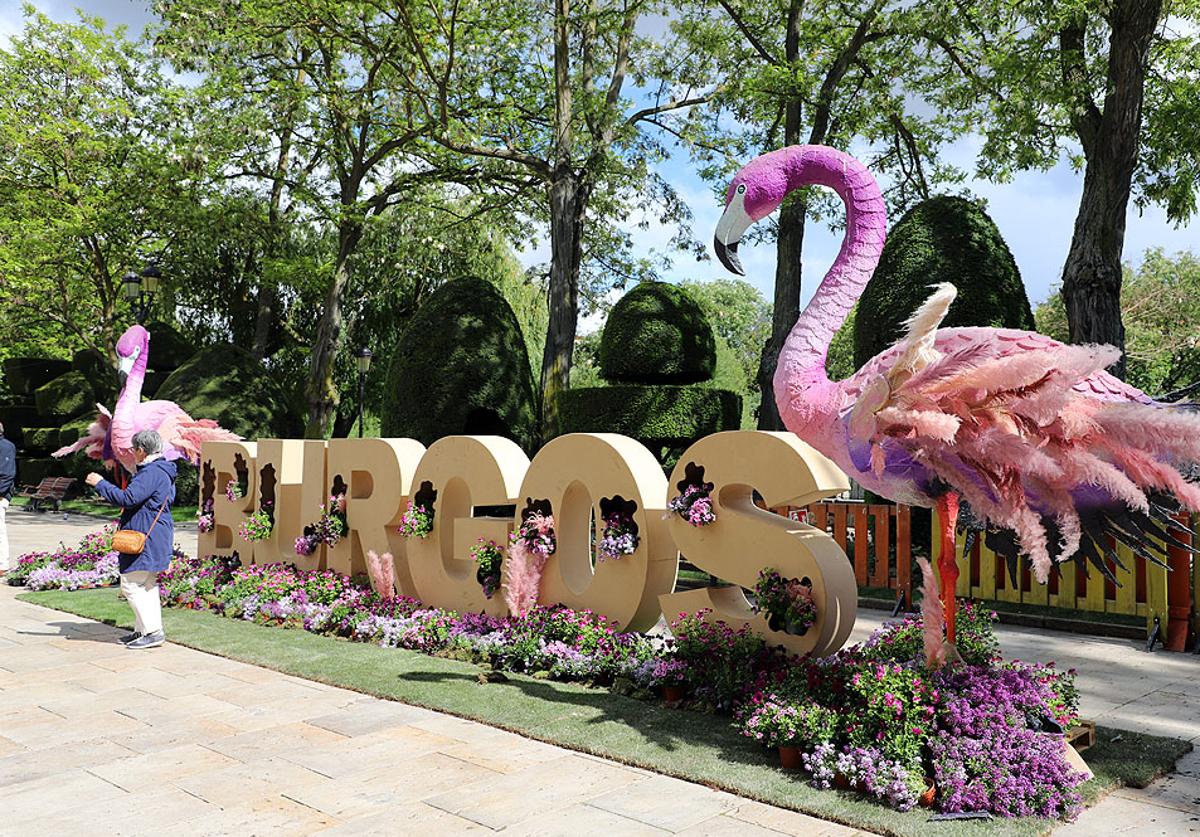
(65,396)
(226,383)
(943,239)
(461,367)
(657,334)
(25,374)
(99,372)
(168,348)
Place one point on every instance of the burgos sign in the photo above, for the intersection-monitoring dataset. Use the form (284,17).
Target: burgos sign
(471,479)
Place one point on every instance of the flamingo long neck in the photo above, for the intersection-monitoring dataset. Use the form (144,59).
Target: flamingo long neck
(800,376)
(131,393)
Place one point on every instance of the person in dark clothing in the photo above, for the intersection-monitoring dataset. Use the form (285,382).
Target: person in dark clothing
(149,495)
(8,479)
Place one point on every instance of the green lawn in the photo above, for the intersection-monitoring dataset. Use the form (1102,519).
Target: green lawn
(701,748)
(96,508)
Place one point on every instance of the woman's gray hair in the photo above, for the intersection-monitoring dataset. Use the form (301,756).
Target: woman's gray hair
(148,441)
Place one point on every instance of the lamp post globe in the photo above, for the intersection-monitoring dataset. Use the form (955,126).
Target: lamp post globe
(363,361)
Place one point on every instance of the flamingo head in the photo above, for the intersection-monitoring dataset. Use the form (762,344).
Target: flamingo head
(754,193)
(134,343)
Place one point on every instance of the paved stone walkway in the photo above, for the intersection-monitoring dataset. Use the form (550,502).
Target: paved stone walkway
(213,746)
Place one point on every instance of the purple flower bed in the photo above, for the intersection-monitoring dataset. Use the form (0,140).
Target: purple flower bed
(59,576)
(91,563)
(871,717)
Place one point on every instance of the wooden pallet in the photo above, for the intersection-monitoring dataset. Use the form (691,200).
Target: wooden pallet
(1082,735)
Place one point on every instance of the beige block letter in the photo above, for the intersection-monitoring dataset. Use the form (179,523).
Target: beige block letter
(745,539)
(225,458)
(292,472)
(377,474)
(465,471)
(574,472)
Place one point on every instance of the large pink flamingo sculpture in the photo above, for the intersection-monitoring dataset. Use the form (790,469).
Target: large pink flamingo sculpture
(110,437)
(1043,444)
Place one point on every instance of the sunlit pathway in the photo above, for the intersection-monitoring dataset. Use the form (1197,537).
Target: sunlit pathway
(214,746)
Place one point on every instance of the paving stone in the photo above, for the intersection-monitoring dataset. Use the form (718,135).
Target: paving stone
(1120,815)
(367,716)
(285,741)
(505,801)
(34,764)
(726,826)
(264,818)
(33,797)
(787,822)
(164,736)
(240,784)
(583,818)
(377,753)
(140,772)
(414,818)
(404,780)
(643,801)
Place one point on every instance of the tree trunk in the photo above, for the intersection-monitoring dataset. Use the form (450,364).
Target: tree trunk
(264,320)
(788,249)
(1091,287)
(568,201)
(321,392)
(786,309)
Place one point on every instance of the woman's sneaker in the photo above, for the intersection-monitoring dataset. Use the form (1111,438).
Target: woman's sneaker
(151,640)
(128,638)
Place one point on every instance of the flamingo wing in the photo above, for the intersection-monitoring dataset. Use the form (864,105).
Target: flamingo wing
(1034,434)
(184,435)
(92,442)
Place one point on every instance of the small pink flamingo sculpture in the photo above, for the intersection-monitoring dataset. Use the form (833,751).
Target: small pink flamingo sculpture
(1041,442)
(110,436)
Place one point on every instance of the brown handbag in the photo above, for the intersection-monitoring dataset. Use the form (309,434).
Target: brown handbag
(130,542)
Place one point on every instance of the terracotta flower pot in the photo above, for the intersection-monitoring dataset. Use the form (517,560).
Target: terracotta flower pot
(926,798)
(789,758)
(672,694)
(840,781)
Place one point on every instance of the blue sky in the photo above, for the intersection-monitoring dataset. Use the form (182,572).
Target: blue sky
(1035,212)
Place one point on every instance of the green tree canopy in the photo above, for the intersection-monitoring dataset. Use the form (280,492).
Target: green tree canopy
(1161,304)
(97,160)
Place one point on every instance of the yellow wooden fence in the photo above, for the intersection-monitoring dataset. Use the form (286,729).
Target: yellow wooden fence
(1142,588)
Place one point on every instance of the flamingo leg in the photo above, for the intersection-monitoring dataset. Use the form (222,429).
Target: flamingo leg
(947,510)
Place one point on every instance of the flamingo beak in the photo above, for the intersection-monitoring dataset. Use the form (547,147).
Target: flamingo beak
(733,224)
(124,367)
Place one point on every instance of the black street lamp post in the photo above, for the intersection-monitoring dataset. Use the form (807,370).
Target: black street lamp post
(363,362)
(141,288)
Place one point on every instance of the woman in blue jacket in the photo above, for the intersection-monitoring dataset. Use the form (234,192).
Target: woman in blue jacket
(152,489)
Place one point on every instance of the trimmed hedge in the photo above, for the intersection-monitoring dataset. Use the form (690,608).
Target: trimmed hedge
(100,375)
(41,439)
(943,239)
(226,383)
(654,415)
(67,395)
(168,348)
(26,374)
(461,367)
(657,334)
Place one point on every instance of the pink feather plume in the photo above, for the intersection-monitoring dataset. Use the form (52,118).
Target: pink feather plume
(932,616)
(382,572)
(523,570)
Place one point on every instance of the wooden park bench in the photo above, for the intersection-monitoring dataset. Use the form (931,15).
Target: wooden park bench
(51,489)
